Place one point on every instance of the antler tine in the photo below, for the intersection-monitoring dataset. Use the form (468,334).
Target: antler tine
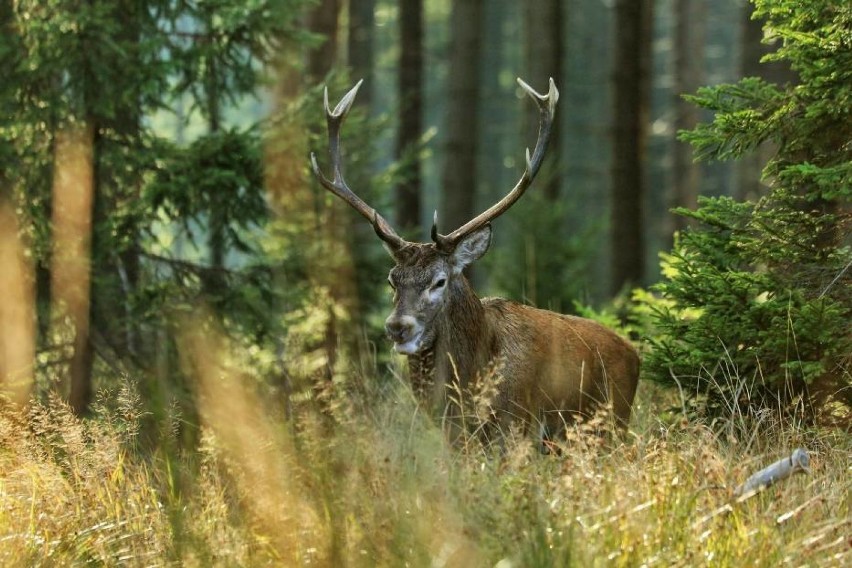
(547,108)
(338,185)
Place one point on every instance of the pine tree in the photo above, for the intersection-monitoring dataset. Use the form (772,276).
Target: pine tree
(758,298)
(96,70)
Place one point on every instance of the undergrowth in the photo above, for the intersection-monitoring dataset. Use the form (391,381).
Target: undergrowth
(372,482)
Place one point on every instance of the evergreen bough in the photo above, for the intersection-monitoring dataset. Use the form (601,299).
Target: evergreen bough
(756,298)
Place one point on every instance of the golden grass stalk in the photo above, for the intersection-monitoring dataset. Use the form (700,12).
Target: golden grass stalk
(258,452)
(70,494)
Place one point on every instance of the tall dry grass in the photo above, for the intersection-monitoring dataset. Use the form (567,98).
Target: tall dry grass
(72,492)
(372,483)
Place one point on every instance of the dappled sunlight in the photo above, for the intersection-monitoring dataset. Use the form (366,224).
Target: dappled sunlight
(70,285)
(207,357)
(71,492)
(17,311)
(374,482)
(257,450)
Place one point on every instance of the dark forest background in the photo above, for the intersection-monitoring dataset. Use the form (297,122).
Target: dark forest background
(156,160)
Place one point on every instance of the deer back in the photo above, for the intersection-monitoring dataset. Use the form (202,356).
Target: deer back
(555,365)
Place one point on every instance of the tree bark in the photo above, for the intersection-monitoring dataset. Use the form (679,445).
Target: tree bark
(128,124)
(749,169)
(333,268)
(323,19)
(543,48)
(17,308)
(459,180)
(360,50)
(213,109)
(73,201)
(410,114)
(688,77)
(632,64)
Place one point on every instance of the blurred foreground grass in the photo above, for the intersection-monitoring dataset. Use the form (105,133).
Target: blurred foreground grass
(377,486)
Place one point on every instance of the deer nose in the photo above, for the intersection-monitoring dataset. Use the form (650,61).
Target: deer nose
(400,329)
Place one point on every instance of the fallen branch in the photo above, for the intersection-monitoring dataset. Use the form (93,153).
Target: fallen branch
(798,461)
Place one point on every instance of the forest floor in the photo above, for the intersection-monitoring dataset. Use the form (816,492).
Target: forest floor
(381,487)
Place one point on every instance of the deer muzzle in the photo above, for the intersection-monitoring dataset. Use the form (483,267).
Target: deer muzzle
(405,332)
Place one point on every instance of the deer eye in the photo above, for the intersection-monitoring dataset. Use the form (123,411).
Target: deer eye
(440,283)
(391,284)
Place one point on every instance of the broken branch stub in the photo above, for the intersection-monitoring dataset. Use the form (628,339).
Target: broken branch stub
(798,461)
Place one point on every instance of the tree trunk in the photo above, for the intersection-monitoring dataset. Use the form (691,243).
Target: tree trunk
(543,49)
(586,108)
(750,166)
(458,187)
(410,114)
(360,47)
(73,200)
(688,67)
(216,223)
(128,123)
(323,19)
(332,269)
(632,64)
(17,308)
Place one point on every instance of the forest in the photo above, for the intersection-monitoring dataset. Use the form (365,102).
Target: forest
(195,362)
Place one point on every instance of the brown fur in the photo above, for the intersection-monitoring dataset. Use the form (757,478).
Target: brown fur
(549,366)
(555,364)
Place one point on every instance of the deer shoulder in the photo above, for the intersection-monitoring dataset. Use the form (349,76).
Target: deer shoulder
(556,362)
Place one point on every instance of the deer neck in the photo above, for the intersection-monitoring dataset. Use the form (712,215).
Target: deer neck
(421,371)
(463,345)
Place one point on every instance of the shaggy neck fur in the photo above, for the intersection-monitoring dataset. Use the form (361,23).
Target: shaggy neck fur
(463,345)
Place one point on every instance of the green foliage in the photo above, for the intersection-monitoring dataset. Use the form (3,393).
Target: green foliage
(739,324)
(172,224)
(542,261)
(221,47)
(747,114)
(214,184)
(757,296)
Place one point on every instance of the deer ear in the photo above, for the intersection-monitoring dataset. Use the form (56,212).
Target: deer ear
(471,248)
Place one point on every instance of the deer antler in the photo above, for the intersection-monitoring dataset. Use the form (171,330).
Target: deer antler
(547,108)
(338,185)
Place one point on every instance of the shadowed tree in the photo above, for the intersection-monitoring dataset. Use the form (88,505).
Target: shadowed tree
(543,49)
(688,76)
(360,48)
(410,113)
(323,19)
(95,69)
(630,117)
(750,167)
(458,180)
(332,266)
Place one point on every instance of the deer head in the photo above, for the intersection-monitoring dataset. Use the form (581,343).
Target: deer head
(428,279)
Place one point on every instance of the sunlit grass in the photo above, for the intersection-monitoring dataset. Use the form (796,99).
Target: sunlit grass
(72,492)
(372,482)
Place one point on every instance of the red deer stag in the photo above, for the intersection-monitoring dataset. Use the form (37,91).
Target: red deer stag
(550,366)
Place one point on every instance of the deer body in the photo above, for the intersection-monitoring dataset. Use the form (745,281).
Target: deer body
(548,367)
(553,366)
(558,365)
